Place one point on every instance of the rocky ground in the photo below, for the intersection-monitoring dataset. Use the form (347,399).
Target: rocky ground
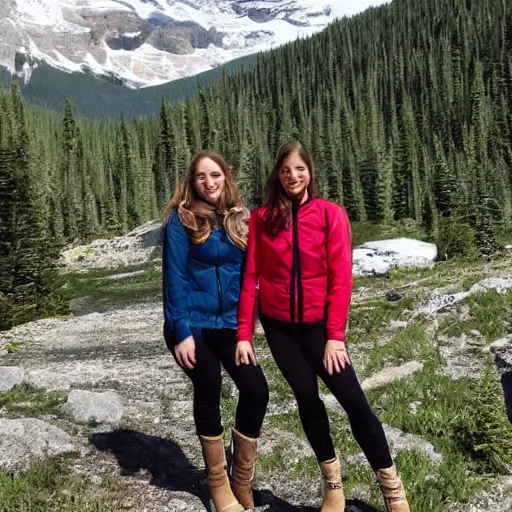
(102,386)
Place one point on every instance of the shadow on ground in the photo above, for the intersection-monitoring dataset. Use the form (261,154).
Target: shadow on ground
(170,469)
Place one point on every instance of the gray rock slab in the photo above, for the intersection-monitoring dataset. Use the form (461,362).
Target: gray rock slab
(83,406)
(391,374)
(10,376)
(26,441)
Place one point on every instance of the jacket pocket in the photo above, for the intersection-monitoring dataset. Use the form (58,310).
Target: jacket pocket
(274,299)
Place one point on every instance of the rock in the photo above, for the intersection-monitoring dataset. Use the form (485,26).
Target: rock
(295,447)
(391,374)
(499,284)
(394,295)
(124,275)
(381,256)
(397,325)
(45,379)
(134,248)
(83,406)
(400,441)
(137,247)
(440,302)
(28,440)
(149,234)
(10,376)
(502,351)
(460,357)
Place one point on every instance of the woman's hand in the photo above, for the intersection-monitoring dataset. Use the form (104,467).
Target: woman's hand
(335,356)
(245,353)
(185,352)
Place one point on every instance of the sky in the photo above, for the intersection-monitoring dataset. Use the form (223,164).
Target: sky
(349,7)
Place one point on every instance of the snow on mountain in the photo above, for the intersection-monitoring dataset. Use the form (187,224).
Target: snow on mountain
(148,42)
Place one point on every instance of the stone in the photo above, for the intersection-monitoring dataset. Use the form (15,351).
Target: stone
(28,440)
(397,325)
(391,374)
(105,407)
(133,248)
(400,441)
(46,379)
(10,376)
(441,302)
(379,257)
(502,351)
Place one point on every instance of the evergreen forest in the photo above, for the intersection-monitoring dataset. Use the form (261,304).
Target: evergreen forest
(406,108)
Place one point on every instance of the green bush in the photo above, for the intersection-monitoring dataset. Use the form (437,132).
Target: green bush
(485,434)
(369,231)
(456,239)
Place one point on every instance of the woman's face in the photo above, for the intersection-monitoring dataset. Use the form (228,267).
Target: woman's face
(209,180)
(294,176)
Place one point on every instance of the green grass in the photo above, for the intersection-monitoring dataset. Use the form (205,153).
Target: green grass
(51,486)
(370,321)
(88,292)
(27,401)
(371,230)
(463,416)
(410,344)
(490,314)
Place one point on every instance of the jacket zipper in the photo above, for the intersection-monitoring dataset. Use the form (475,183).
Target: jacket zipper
(219,288)
(296,298)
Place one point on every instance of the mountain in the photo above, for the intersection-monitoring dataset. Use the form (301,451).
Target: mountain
(150,42)
(104,98)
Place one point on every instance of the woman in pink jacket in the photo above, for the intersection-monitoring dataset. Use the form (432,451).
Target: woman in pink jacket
(300,255)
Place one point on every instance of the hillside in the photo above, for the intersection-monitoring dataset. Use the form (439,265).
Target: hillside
(141,43)
(101,392)
(102,98)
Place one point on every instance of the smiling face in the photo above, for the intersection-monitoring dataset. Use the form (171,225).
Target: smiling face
(209,180)
(294,176)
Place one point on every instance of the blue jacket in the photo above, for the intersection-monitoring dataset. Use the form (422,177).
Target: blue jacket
(201,282)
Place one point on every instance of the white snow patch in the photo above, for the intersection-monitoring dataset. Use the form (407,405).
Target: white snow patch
(381,256)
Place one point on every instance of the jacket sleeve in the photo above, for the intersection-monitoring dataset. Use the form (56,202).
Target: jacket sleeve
(176,248)
(248,292)
(339,264)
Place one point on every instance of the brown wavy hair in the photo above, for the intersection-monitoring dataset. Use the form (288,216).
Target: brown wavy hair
(277,203)
(199,217)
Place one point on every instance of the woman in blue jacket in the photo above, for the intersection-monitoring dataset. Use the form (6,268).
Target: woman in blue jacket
(205,238)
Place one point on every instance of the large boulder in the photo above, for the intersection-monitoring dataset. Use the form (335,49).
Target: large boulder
(28,440)
(378,258)
(84,406)
(134,248)
(10,376)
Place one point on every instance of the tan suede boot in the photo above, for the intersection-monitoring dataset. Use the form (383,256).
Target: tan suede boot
(242,470)
(218,481)
(392,490)
(334,498)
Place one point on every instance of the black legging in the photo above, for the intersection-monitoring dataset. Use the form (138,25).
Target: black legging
(298,351)
(217,347)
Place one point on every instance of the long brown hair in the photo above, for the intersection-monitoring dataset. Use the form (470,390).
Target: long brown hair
(198,217)
(277,203)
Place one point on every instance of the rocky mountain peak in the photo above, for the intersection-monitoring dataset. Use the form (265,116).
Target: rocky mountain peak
(148,42)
